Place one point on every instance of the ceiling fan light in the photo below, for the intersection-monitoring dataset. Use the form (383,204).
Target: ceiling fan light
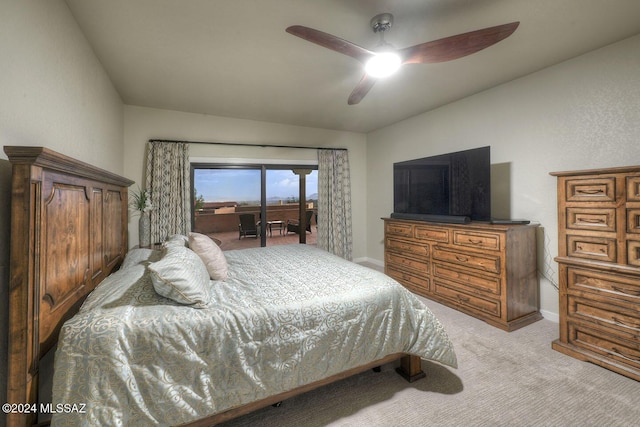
(383,64)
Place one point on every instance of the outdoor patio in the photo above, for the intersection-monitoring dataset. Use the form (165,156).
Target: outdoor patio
(229,239)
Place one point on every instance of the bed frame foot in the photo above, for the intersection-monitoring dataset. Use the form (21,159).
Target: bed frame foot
(411,368)
(277,404)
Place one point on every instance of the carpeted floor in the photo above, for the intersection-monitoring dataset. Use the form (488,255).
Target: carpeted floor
(503,379)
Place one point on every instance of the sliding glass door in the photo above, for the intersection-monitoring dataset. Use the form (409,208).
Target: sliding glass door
(283,203)
(227,203)
(231,201)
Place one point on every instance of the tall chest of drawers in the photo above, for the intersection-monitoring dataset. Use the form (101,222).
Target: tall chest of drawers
(599,267)
(487,271)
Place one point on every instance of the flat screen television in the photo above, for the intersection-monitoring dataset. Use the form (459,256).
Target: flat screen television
(453,187)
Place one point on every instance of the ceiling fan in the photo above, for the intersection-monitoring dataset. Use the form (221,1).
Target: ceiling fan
(386,59)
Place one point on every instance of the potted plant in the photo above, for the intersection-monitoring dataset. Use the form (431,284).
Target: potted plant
(141,202)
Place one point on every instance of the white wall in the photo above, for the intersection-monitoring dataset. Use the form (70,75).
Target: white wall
(583,113)
(53,93)
(142,124)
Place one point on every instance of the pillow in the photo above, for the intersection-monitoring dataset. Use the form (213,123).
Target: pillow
(211,254)
(176,240)
(137,255)
(181,276)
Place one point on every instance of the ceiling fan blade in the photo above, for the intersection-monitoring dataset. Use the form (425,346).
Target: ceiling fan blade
(331,42)
(362,88)
(457,46)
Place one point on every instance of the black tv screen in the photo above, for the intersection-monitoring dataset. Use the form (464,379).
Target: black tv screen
(454,184)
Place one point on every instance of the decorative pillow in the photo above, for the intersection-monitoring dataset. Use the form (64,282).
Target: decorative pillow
(181,276)
(176,240)
(138,255)
(211,254)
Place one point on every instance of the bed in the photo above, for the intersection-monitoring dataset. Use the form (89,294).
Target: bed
(283,321)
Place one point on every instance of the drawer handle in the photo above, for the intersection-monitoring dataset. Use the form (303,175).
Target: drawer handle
(462,258)
(626,356)
(626,291)
(589,191)
(591,221)
(475,242)
(463,299)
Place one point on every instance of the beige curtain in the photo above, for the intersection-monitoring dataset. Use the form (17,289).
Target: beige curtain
(334,202)
(169,184)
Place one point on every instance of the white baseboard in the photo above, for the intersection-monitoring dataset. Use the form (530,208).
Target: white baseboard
(550,315)
(369,261)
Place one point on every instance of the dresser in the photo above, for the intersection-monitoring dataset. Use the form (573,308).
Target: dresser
(599,267)
(487,271)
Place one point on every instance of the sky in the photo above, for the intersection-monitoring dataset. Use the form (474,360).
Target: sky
(240,185)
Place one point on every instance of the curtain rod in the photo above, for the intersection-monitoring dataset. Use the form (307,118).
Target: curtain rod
(241,144)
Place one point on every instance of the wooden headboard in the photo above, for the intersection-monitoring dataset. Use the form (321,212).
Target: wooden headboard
(68,232)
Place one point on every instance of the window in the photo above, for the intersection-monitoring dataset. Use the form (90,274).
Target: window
(222,193)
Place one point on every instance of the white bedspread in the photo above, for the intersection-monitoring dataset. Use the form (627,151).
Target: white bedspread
(287,316)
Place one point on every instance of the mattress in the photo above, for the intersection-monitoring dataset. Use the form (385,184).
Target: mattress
(285,316)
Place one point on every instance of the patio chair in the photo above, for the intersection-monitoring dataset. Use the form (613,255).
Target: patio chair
(293,225)
(248,226)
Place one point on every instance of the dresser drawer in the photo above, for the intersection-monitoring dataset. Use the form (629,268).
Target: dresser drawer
(601,342)
(439,235)
(484,262)
(609,286)
(419,285)
(399,262)
(442,290)
(409,248)
(624,319)
(489,241)
(633,252)
(469,282)
(591,219)
(591,189)
(398,229)
(633,188)
(633,221)
(590,247)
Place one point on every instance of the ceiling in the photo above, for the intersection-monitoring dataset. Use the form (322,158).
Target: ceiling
(233,58)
